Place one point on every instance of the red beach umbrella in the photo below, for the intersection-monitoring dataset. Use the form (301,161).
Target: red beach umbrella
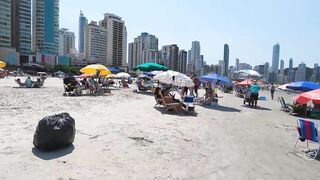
(304,98)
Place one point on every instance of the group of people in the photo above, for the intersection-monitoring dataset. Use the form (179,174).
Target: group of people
(31,84)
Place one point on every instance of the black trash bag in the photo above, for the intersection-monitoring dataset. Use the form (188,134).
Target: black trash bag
(54,132)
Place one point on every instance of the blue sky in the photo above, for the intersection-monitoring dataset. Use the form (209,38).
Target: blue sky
(250,27)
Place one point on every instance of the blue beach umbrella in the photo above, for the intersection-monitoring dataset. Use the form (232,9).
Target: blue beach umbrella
(216,77)
(303,86)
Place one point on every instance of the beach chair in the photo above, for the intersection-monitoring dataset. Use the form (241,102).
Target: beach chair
(308,131)
(188,104)
(285,106)
(176,106)
(21,84)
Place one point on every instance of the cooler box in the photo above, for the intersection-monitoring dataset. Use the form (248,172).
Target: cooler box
(262,98)
(188,99)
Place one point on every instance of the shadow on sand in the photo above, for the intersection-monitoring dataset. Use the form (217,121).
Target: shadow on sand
(258,108)
(222,108)
(48,155)
(148,93)
(163,110)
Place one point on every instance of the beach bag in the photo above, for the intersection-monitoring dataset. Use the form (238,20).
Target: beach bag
(54,132)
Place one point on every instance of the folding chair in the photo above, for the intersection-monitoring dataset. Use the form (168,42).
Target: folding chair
(308,131)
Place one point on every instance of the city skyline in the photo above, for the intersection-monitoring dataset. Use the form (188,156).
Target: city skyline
(295,30)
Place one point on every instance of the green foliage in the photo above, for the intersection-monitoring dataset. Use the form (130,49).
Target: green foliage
(65,69)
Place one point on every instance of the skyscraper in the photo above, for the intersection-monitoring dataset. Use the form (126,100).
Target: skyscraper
(95,44)
(195,57)
(182,62)
(226,59)
(301,72)
(290,71)
(117,39)
(21,26)
(170,56)
(5,23)
(237,64)
(221,67)
(281,74)
(83,22)
(45,23)
(66,41)
(275,58)
(143,49)
(316,73)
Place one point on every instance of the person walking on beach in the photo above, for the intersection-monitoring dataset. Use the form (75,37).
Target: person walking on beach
(272,89)
(197,84)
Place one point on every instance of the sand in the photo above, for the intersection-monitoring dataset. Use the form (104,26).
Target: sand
(122,136)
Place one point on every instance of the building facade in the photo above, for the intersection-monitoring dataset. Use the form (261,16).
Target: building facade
(182,61)
(66,42)
(21,26)
(45,23)
(83,22)
(169,56)
(275,63)
(301,72)
(290,71)
(143,49)
(117,39)
(316,73)
(226,59)
(237,64)
(95,44)
(195,58)
(5,23)
(221,68)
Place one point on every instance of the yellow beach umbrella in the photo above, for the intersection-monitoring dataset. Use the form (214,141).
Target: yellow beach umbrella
(92,69)
(2,64)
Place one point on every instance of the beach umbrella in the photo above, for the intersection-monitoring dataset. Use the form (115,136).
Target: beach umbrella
(92,69)
(150,66)
(123,75)
(216,77)
(2,64)
(174,78)
(110,76)
(33,67)
(304,98)
(249,72)
(156,72)
(283,87)
(248,82)
(303,86)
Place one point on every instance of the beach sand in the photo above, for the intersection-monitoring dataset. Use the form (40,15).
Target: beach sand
(122,136)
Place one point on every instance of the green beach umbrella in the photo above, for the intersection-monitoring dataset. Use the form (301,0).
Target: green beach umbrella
(150,66)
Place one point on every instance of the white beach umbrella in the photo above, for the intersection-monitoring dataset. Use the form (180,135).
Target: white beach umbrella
(250,72)
(123,75)
(283,87)
(156,72)
(175,78)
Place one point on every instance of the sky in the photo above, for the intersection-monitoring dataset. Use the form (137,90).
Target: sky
(250,27)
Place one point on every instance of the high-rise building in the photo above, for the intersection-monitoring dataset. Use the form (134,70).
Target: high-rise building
(226,59)
(237,64)
(275,58)
(83,22)
(182,61)
(266,71)
(244,66)
(66,41)
(21,26)
(117,39)
(143,49)
(45,23)
(281,74)
(301,72)
(290,71)
(316,73)
(5,23)
(170,56)
(195,56)
(95,44)
(221,68)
